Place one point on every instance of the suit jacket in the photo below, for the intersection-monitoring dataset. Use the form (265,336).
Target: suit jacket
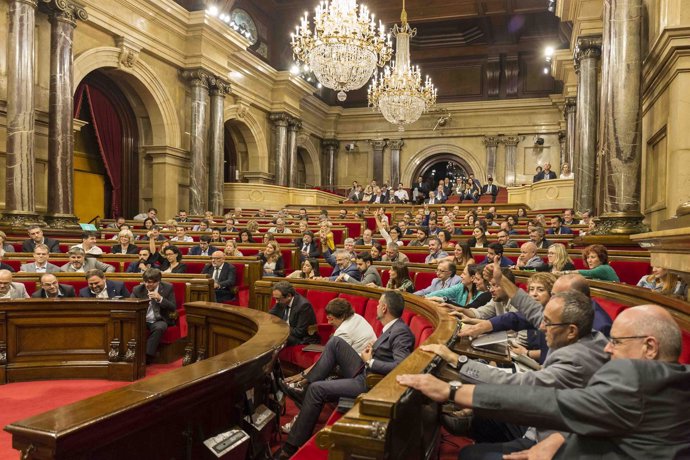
(436,285)
(53,245)
(629,409)
(383,199)
(133,267)
(490,190)
(355,196)
(313,248)
(18,291)
(226,279)
(31,268)
(549,175)
(351,270)
(511,244)
(562,231)
(196,250)
(115,289)
(537,177)
(4,266)
(65,291)
(301,317)
(167,305)
(89,264)
(369,276)
(392,347)
(544,244)
(131,249)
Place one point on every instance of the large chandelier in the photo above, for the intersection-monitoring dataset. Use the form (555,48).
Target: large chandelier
(345,47)
(398,93)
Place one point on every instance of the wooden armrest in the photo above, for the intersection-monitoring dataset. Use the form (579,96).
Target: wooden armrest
(373,379)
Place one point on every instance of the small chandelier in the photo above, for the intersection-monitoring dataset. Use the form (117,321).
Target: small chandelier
(345,47)
(398,93)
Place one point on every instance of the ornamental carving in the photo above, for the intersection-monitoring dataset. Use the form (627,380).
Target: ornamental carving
(114,352)
(131,352)
(200,354)
(396,144)
(587,47)
(129,52)
(220,87)
(187,359)
(378,144)
(280,119)
(64,10)
(491,141)
(3,353)
(198,77)
(510,141)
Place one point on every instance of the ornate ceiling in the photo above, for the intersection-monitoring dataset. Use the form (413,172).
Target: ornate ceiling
(472,49)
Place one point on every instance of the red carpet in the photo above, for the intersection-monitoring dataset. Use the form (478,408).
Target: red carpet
(25,399)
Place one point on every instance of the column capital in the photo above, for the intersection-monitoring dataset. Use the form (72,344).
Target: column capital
(570,105)
(491,141)
(588,46)
(378,144)
(31,3)
(64,10)
(396,144)
(511,141)
(220,87)
(562,136)
(198,77)
(294,124)
(280,119)
(330,143)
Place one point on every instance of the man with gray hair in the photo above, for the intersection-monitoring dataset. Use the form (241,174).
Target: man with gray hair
(10,289)
(345,265)
(78,262)
(536,236)
(393,254)
(528,258)
(348,246)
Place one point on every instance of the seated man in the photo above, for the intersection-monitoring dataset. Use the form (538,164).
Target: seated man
(366,238)
(422,237)
(36,237)
(161,305)
(88,244)
(10,289)
(152,214)
(307,246)
(557,227)
(100,288)
(536,236)
(182,216)
(635,406)
(296,310)
(528,258)
(4,266)
(204,247)
(78,262)
(369,273)
(142,264)
(223,275)
(154,234)
(393,345)
(279,227)
(490,189)
(503,237)
(445,278)
(40,263)
(52,289)
(181,235)
(496,249)
(393,254)
(344,265)
(436,252)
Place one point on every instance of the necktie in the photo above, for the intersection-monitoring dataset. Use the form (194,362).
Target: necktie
(216,273)
(286,314)
(304,248)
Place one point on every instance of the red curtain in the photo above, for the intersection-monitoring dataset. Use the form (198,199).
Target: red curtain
(108,129)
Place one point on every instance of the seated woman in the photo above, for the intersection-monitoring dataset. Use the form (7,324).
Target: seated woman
(462,294)
(245,237)
(478,238)
(309,271)
(376,251)
(253,226)
(368,193)
(558,259)
(326,236)
(148,226)
(399,278)
(445,237)
(231,250)
(566,173)
(462,255)
(662,281)
(272,260)
(216,237)
(171,261)
(597,258)
(522,213)
(392,236)
(125,237)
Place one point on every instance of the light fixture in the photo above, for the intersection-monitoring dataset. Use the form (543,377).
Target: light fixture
(345,46)
(552,6)
(399,93)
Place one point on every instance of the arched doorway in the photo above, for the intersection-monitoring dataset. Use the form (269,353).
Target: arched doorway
(106,175)
(440,166)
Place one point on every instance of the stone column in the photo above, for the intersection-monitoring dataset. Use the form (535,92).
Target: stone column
(217,147)
(587,53)
(294,126)
(378,145)
(20,205)
(491,144)
(563,148)
(63,17)
(510,143)
(621,101)
(280,147)
(396,146)
(569,111)
(200,80)
(330,148)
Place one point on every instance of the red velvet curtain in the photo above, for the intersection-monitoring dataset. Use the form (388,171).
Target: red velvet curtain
(108,129)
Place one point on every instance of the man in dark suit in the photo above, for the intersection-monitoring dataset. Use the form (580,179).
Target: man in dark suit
(422,189)
(557,227)
(307,246)
(36,237)
(50,288)
(297,312)
(536,236)
(204,248)
(490,189)
(100,288)
(378,197)
(223,276)
(635,406)
(162,304)
(432,199)
(344,264)
(547,173)
(142,264)
(393,345)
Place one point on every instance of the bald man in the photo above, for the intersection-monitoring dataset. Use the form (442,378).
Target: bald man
(635,406)
(52,289)
(223,275)
(9,289)
(528,258)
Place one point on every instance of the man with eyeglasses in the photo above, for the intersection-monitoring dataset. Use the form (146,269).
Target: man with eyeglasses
(503,237)
(162,309)
(52,289)
(344,265)
(223,276)
(445,278)
(10,289)
(393,254)
(635,406)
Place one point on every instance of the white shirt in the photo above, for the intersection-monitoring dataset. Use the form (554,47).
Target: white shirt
(184,239)
(383,331)
(150,312)
(568,176)
(402,195)
(357,332)
(93,250)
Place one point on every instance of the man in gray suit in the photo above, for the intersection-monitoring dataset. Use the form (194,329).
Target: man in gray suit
(40,263)
(635,406)
(9,289)
(365,267)
(78,262)
(445,277)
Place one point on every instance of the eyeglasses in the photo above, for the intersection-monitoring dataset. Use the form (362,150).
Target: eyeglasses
(615,341)
(548,323)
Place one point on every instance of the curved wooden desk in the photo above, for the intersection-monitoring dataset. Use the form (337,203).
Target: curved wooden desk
(169,415)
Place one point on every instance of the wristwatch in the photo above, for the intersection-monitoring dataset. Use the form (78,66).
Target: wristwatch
(454,385)
(462,360)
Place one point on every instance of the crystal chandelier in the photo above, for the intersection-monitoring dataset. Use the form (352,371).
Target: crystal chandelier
(398,93)
(344,48)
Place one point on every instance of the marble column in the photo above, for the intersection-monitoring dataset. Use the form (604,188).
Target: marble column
(491,144)
(63,17)
(378,145)
(330,148)
(20,206)
(199,80)
(294,126)
(587,53)
(569,111)
(280,147)
(621,101)
(510,143)
(563,148)
(395,146)
(217,147)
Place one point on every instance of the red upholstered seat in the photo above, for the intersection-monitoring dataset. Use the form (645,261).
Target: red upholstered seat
(630,271)
(407,316)
(15,264)
(297,356)
(424,279)
(113,263)
(319,300)
(357,302)
(193,266)
(611,307)
(420,327)
(685,351)
(385,275)
(417,257)
(370,315)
